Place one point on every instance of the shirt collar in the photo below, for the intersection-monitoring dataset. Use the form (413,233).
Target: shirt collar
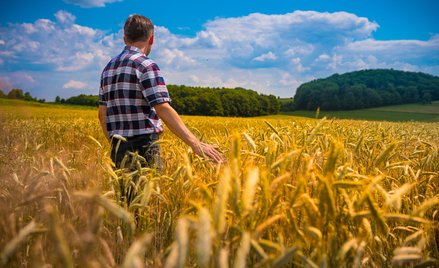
(133,48)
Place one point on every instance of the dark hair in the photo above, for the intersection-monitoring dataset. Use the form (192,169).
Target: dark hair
(138,28)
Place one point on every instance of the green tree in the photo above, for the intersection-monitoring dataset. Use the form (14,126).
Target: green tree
(2,94)
(372,98)
(16,94)
(367,88)
(426,97)
(28,97)
(287,105)
(57,99)
(86,100)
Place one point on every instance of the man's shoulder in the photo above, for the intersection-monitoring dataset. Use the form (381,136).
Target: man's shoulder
(142,60)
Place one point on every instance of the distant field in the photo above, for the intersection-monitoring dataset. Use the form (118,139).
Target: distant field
(405,112)
(8,103)
(432,108)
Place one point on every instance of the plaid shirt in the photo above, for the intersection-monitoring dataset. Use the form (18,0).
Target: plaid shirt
(131,84)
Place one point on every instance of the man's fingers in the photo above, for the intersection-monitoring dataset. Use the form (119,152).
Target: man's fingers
(211,152)
(215,156)
(205,149)
(218,155)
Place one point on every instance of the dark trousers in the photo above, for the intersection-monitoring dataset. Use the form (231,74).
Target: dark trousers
(146,146)
(127,155)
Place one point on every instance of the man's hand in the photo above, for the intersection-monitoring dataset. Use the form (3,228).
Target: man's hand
(204,149)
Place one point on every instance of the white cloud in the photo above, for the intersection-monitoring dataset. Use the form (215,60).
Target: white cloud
(44,25)
(82,30)
(60,45)
(2,42)
(91,3)
(175,57)
(65,17)
(77,62)
(323,57)
(75,84)
(29,28)
(266,57)
(395,49)
(269,41)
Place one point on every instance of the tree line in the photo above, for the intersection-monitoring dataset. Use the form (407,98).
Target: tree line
(206,101)
(193,101)
(18,94)
(82,99)
(365,89)
(222,101)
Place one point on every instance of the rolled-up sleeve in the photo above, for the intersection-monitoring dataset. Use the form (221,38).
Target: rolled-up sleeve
(153,86)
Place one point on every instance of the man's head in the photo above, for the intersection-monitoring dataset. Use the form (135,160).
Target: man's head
(139,30)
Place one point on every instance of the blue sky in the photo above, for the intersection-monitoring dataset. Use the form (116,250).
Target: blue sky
(59,47)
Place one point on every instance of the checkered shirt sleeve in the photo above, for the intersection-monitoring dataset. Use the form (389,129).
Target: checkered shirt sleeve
(153,85)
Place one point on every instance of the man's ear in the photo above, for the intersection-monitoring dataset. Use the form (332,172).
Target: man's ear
(151,40)
(125,39)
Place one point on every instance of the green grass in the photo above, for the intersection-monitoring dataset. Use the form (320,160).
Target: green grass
(284,100)
(22,103)
(405,112)
(432,108)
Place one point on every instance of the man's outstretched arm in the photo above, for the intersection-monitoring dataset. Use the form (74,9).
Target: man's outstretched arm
(176,125)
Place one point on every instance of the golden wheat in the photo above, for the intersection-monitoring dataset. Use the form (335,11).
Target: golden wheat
(293,193)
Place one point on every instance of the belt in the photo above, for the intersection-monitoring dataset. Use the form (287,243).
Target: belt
(151,136)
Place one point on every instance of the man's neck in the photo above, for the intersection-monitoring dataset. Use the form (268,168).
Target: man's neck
(145,47)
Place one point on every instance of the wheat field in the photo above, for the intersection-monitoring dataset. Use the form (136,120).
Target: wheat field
(294,192)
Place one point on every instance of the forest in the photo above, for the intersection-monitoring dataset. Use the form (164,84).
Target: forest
(191,101)
(222,101)
(18,94)
(206,101)
(366,89)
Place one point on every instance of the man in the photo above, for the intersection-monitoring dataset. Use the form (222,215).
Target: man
(133,100)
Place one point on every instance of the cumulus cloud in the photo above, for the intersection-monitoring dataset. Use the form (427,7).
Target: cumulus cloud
(269,53)
(65,17)
(266,57)
(75,84)
(60,44)
(303,44)
(91,3)
(175,57)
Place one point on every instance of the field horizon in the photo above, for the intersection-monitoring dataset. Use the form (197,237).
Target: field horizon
(394,113)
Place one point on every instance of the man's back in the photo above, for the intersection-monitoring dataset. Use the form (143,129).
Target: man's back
(131,84)
(133,96)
